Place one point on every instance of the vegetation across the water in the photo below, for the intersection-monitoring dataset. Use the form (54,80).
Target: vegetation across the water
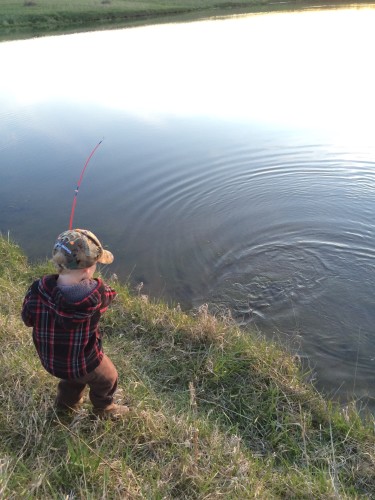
(216,412)
(26,18)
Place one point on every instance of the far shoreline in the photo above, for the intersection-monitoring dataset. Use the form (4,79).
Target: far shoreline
(32,21)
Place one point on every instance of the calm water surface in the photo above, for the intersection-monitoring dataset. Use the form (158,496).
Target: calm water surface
(237,169)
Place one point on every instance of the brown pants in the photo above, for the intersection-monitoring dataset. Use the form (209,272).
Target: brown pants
(102,383)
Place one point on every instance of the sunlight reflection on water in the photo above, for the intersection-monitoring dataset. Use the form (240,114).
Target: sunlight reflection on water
(289,68)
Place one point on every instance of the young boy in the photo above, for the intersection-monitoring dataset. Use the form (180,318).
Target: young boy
(64,310)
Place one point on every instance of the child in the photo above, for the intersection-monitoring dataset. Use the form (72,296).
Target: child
(64,310)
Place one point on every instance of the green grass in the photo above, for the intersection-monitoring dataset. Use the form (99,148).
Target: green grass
(217,412)
(47,14)
(26,18)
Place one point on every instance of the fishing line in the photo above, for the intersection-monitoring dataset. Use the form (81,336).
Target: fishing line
(79,184)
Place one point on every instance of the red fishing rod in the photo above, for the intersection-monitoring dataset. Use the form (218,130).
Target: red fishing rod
(79,184)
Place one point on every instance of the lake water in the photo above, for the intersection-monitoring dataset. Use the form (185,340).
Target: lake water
(237,169)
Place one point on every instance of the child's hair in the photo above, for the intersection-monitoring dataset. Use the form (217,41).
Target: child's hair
(59,261)
(78,249)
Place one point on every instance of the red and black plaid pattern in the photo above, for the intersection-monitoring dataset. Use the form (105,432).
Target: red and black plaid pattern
(66,335)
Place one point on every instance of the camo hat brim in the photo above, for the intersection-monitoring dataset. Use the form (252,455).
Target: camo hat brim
(79,249)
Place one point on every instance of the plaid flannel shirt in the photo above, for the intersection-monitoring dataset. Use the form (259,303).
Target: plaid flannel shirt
(66,335)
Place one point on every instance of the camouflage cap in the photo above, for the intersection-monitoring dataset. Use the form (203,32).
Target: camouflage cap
(79,249)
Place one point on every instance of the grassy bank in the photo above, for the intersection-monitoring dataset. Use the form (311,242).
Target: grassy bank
(18,17)
(25,18)
(216,413)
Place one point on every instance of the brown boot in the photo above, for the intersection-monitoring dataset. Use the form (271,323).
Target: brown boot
(112,411)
